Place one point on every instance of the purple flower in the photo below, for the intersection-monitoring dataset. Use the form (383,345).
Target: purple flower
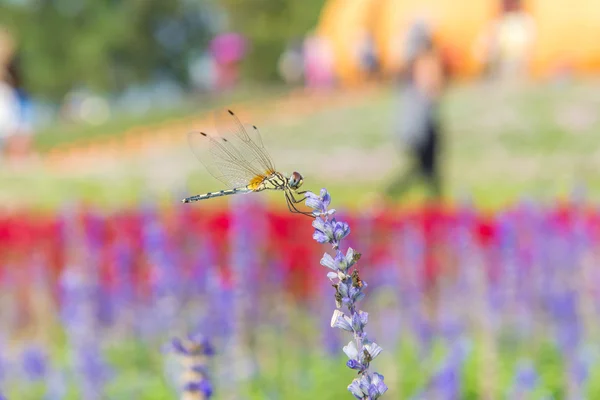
(204,387)
(353,364)
(194,352)
(378,384)
(341,321)
(56,386)
(340,230)
(80,303)
(92,369)
(178,347)
(319,203)
(368,386)
(35,363)
(2,371)
(194,345)
(447,380)
(349,290)
(525,379)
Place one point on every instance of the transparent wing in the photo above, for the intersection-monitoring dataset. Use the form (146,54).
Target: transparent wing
(236,156)
(246,139)
(222,159)
(254,134)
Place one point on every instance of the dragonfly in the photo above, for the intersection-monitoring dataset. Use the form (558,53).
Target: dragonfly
(237,157)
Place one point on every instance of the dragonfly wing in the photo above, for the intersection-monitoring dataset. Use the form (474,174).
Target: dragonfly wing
(221,159)
(247,141)
(254,135)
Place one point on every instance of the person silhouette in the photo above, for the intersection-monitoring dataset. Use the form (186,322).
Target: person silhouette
(418,126)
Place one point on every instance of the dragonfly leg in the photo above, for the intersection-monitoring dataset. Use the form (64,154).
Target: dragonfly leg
(287,202)
(292,199)
(296,211)
(296,201)
(292,206)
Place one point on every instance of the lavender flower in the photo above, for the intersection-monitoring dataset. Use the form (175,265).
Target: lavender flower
(92,370)
(56,386)
(34,363)
(194,352)
(79,310)
(447,384)
(361,351)
(4,366)
(525,380)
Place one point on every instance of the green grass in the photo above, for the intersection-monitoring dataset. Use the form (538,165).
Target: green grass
(63,132)
(287,369)
(501,144)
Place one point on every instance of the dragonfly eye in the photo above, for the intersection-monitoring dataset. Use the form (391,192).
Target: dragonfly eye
(295,180)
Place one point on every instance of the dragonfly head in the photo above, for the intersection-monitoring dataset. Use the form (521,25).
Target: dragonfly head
(295,181)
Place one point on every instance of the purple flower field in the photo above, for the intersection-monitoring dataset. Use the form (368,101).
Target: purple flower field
(174,304)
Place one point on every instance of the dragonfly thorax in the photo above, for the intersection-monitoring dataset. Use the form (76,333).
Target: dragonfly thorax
(295,181)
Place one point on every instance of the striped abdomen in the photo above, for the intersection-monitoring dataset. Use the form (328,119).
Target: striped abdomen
(215,194)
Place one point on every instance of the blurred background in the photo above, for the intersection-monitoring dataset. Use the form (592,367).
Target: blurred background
(458,139)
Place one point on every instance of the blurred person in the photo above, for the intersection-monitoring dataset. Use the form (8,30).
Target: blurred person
(228,51)
(318,62)
(367,54)
(506,43)
(418,126)
(9,109)
(15,79)
(16,103)
(203,73)
(291,63)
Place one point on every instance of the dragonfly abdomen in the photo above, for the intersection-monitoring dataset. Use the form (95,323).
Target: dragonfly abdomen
(220,193)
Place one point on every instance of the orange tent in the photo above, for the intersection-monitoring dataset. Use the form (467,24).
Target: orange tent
(566,32)
(342,22)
